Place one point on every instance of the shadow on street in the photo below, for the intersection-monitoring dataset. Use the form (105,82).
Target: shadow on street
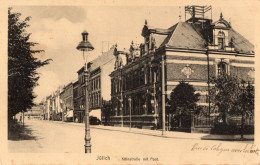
(247,138)
(17,132)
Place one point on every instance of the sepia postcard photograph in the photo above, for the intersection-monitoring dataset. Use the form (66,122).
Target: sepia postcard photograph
(129,82)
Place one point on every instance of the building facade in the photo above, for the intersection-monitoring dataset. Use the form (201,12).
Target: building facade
(35,113)
(48,111)
(99,82)
(79,97)
(98,86)
(56,105)
(67,102)
(193,51)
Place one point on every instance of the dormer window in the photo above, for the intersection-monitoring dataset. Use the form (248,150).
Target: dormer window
(221,34)
(221,43)
(221,40)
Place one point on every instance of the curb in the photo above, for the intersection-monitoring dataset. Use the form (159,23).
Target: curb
(207,137)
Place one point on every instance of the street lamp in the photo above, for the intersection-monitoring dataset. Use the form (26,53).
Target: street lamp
(207,53)
(130,112)
(83,46)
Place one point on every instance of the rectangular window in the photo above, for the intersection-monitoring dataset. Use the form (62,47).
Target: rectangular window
(95,84)
(98,99)
(142,77)
(221,43)
(99,83)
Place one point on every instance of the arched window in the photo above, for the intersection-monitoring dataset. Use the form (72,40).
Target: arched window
(221,40)
(222,67)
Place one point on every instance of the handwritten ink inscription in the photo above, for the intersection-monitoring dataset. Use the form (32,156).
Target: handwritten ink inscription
(220,148)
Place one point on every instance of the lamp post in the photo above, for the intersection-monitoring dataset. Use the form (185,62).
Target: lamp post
(163,95)
(130,112)
(83,46)
(121,99)
(207,53)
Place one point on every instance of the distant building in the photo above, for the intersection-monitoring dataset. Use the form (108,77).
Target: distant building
(33,113)
(48,112)
(99,81)
(192,51)
(79,97)
(99,85)
(43,108)
(56,105)
(67,102)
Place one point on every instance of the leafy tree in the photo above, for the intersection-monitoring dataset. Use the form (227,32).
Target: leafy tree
(225,93)
(231,96)
(183,99)
(22,65)
(245,103)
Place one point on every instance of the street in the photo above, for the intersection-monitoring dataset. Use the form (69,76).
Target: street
(61,137)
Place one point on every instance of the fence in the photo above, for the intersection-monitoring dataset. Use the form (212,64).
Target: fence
(206,121)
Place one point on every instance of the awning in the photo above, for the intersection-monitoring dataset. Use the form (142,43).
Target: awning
(95,113)
(69,114)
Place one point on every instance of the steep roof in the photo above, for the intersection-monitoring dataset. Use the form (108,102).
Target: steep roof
(184,35)
(159,39)
(104,58)
(188,36)
(240,43)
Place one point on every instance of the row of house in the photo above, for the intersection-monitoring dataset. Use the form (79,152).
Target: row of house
(68,103)
(35,113)
(131,87)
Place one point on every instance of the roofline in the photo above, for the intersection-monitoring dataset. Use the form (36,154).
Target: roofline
(167,48)
(66,86)
(82,68)
(174,48)
(171,33)
(75,82)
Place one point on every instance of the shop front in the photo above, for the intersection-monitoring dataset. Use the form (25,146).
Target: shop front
(79,116)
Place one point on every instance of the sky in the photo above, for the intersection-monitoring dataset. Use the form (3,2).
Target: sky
(58,30)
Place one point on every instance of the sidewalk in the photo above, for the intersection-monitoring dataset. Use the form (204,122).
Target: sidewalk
(168,134)
(158,133)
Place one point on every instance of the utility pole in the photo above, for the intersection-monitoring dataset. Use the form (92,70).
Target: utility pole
(130,111)
(121,99)
(163,96)
(207,53)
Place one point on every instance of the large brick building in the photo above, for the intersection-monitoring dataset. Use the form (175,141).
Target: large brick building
(193,51)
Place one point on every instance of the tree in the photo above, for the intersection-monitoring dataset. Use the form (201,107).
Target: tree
(106,111)
(183,99)
(245,103)
(231,96)
(225,93)
(22,65)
